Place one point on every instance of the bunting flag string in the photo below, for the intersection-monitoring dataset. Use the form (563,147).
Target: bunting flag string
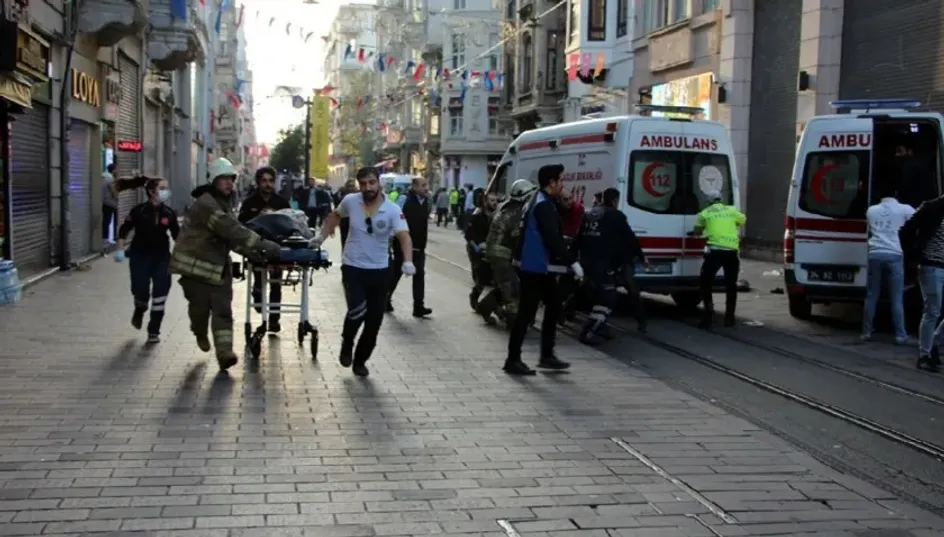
(579,66)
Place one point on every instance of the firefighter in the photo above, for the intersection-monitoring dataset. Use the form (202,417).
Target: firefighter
(476,232)
(201,258)
(152,222)
(503,234)
(606,245)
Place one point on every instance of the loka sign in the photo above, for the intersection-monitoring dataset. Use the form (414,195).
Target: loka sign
(86,88)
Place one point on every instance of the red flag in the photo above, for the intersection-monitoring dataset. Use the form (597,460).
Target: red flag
(418,73)
(360,55)
(239,18)
(572,65)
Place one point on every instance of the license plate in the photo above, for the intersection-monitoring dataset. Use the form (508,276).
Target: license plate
(831,275)
(654,268)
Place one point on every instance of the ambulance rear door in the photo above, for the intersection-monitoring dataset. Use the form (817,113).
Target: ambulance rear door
(833,175)
(664,194)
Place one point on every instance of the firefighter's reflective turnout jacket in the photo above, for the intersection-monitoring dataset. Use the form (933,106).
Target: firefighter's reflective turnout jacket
(504,231)
(209,232)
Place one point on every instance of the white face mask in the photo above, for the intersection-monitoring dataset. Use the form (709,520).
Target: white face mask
(163,195)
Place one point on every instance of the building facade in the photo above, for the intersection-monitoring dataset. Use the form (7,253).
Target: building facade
(474,131)
(353,30)
(107,95)
(535,38)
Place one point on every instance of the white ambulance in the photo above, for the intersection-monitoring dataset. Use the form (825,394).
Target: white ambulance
(844,161)
(665,168)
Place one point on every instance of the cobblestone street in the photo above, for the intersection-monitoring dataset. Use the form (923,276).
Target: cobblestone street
(100,434)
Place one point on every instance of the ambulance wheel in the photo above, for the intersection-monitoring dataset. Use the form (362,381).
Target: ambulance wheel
(800,307)
(314,346)
(687,300)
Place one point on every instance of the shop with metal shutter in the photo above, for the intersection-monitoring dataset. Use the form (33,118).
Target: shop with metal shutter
(29,177)
(80,190)
(893,49)
(152,141)
(772,144)
(128,128)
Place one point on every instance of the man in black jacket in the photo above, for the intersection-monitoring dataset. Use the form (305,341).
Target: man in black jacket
(416,210)
(475,234)
(922,239)
(608,251)
(264,200)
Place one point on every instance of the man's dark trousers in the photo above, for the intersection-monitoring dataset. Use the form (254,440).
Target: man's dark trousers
(419,279)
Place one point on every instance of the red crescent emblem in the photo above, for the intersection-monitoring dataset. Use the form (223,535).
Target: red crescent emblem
(817,182)
(647,176)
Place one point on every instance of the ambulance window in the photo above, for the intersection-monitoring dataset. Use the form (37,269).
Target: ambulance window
(499,184)
(835,184)
(678,182)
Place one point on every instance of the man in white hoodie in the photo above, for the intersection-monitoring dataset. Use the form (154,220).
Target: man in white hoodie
(886,258)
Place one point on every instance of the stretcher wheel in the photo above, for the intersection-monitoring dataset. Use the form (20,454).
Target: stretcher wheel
(314,346)
(255,346)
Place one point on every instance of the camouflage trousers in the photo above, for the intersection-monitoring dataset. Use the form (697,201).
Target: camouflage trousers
(211,307)
(503,298)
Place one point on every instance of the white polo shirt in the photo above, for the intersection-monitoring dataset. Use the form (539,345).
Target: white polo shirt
(370,250)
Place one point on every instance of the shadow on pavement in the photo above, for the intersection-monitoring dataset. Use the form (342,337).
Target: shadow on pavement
(187,392)
(219,394)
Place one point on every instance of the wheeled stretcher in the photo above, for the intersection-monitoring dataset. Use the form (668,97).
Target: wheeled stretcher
(297,261)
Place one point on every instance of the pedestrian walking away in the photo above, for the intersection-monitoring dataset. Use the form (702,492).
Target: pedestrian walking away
(606,247)
(721,225)
(365,264)
(442,207)
(886,261)
(201,258)
(416,209)
(109,204)
(476,233)
(541,257)
(154,223)
(264,200)
(922,237)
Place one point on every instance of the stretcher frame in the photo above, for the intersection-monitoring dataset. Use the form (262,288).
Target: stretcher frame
(293,275)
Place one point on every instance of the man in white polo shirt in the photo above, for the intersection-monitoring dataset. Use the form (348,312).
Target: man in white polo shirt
(365,267)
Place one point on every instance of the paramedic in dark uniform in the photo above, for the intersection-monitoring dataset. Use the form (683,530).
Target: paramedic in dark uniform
(264,200)
(721,225)
(365,264)
(154,223)
(606,247)
(416,209)
(541,256)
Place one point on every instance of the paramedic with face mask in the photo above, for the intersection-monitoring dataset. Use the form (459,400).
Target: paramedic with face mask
(154,223)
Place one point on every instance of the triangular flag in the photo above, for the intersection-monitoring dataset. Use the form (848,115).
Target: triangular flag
(601,62)
(271,22)
(418,74)
(288,29)
(381,62)
(585,64)
(360,54)
(239,18)
(572,63)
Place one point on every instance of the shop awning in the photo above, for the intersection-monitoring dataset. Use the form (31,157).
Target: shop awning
(15,90)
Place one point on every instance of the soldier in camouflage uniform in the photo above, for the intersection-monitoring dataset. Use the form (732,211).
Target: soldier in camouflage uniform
(201,258)
(503,235)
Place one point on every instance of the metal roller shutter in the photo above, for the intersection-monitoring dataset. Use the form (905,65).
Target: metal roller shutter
(80,188)
(893,49)
(152,142)
(29,169)
(772,145)
(127,128)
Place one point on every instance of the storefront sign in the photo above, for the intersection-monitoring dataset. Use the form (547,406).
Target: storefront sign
(16,91)
(112,90)
(86,88)
(670,50)
(130,146)
(32,55)
(692,91)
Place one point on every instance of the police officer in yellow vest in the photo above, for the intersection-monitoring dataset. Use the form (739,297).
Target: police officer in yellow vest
(201,258)
(721,225)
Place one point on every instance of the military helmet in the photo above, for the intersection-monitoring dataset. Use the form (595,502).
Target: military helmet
(521,190)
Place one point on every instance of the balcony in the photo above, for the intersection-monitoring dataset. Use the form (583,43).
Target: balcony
(173,42)
(110,21)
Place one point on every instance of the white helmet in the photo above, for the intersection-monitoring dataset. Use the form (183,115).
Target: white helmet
(521,190)
(221,167)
